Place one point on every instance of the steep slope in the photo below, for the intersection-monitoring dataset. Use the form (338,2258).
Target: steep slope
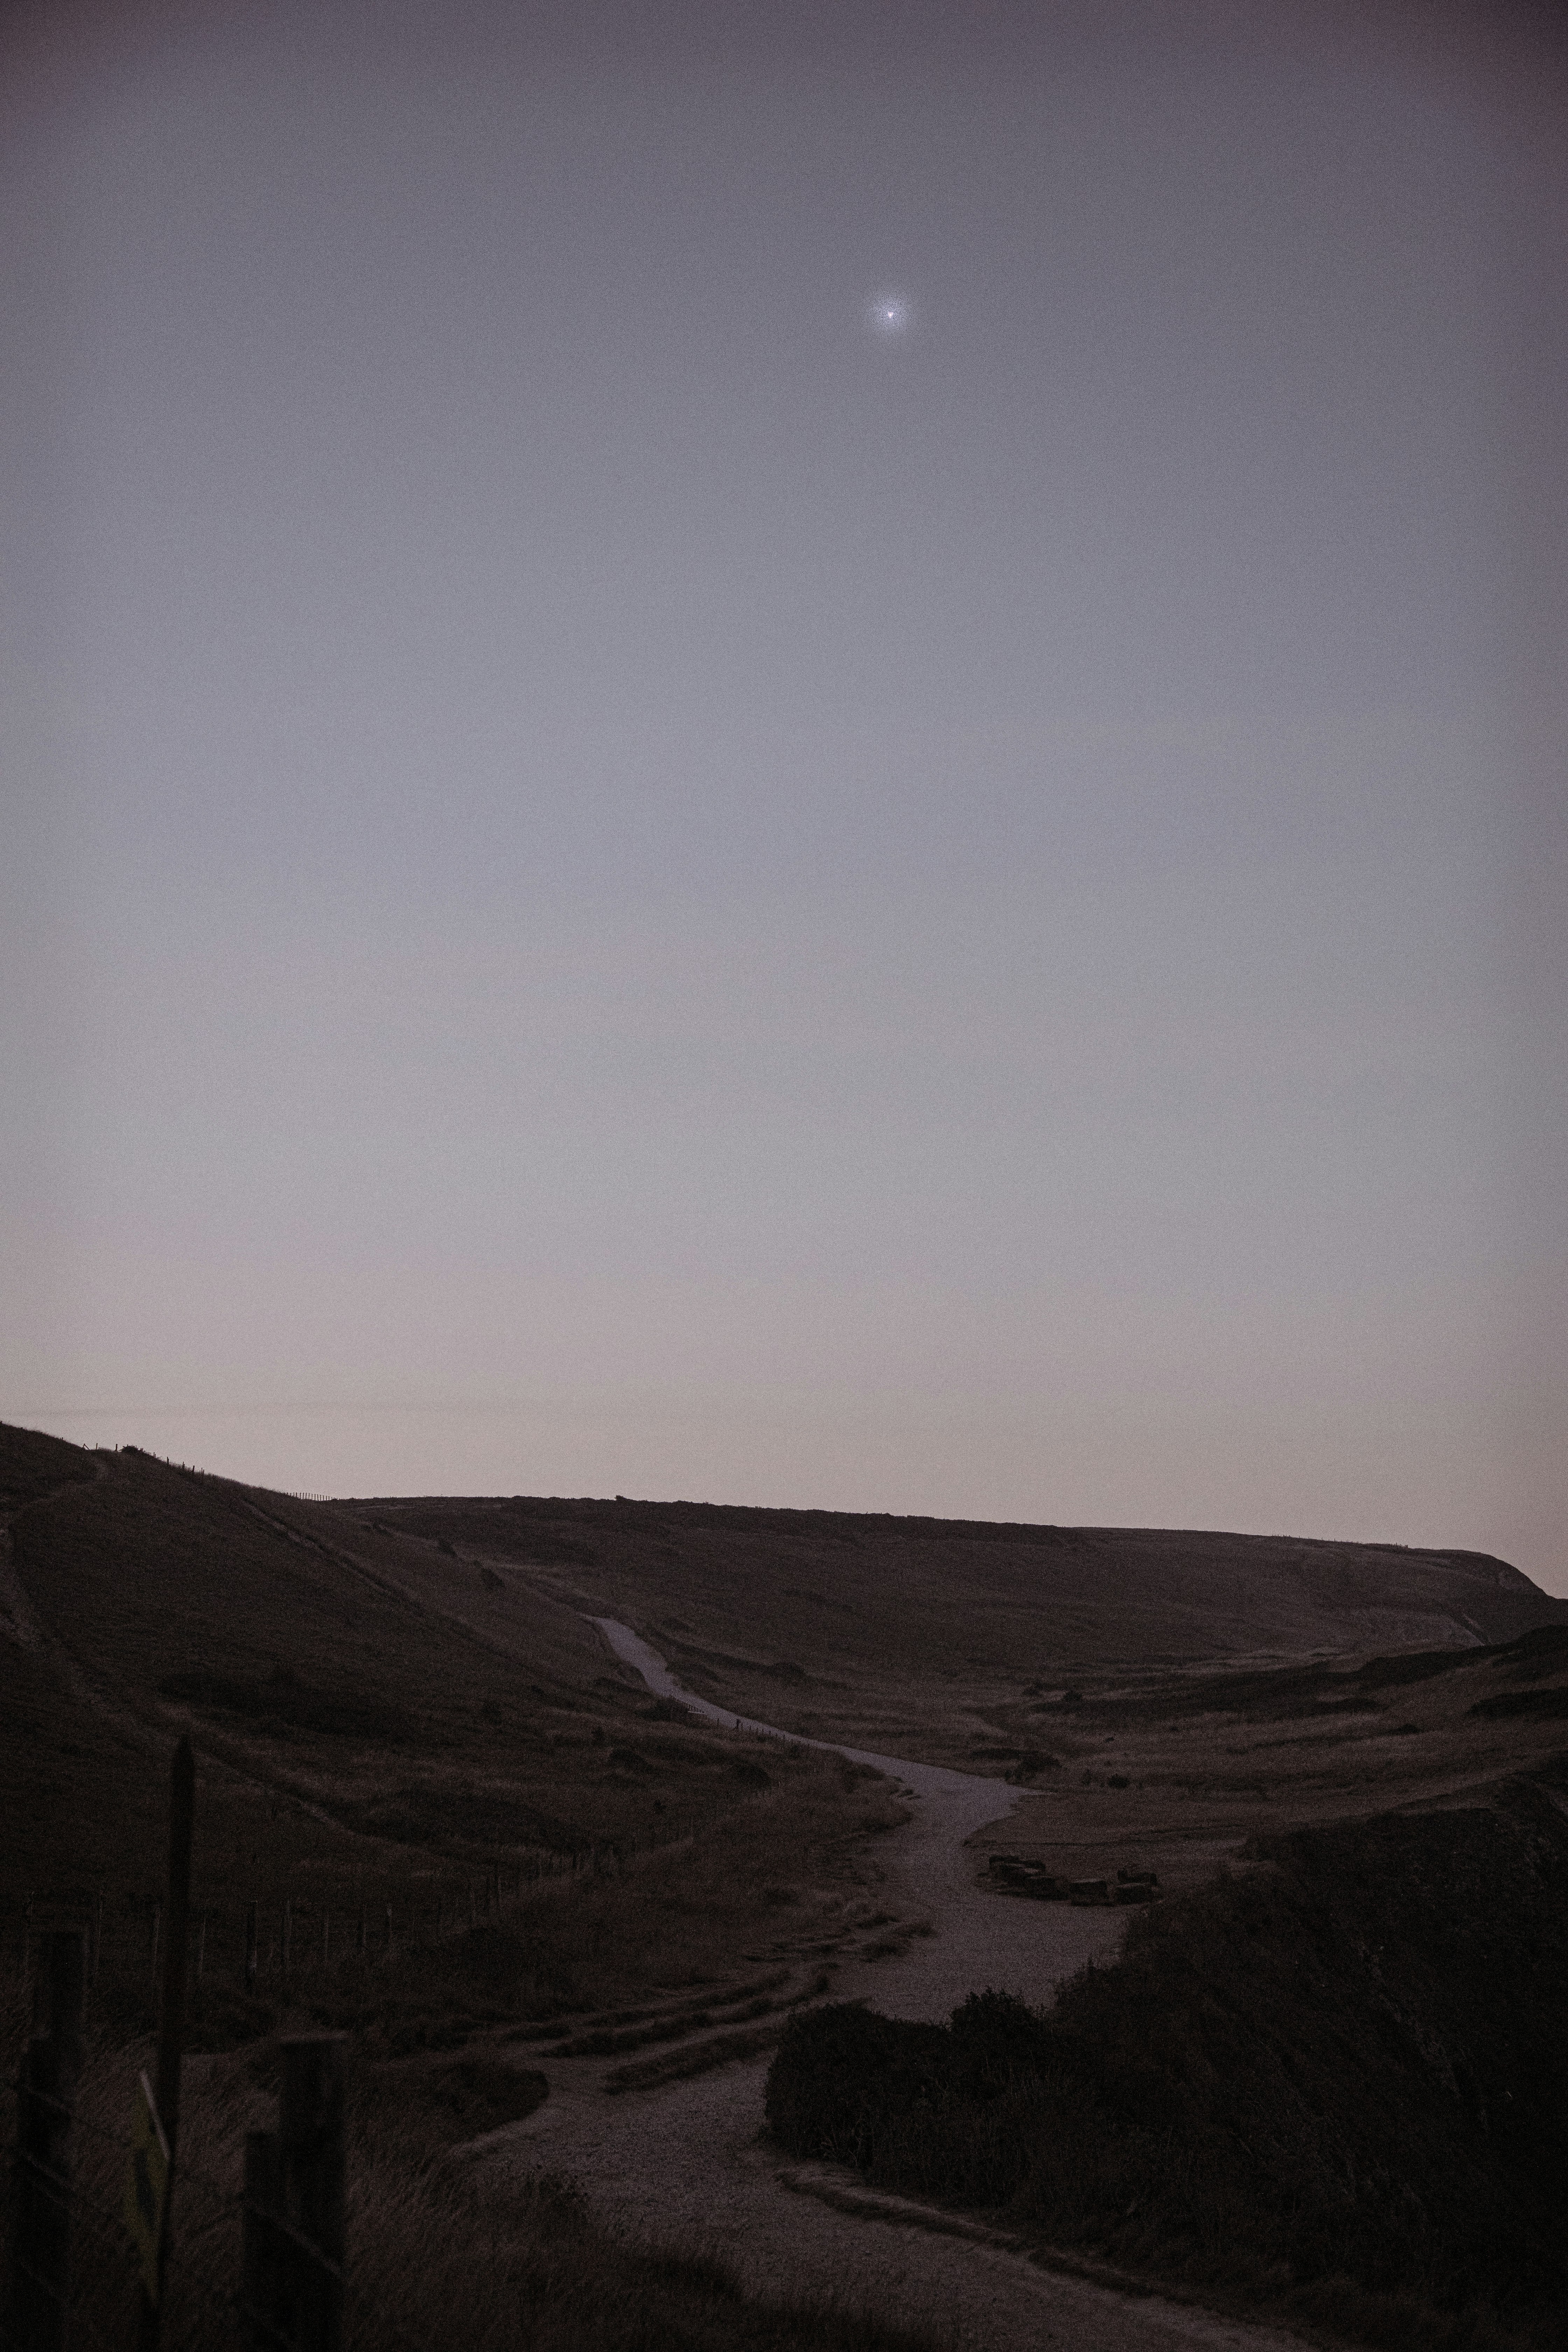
(151,1574)
(373,1718)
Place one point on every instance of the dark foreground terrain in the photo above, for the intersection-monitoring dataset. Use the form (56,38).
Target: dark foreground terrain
(1336,2081)
(476,1843)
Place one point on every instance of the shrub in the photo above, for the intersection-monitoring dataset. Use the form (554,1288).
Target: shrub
(1342,2074)
(844,2080)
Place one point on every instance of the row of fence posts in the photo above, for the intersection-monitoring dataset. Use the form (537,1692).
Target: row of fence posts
(291,2285)
(290,2288)
(453,1910)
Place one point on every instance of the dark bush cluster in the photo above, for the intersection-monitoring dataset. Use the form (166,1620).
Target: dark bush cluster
(952,2111)
(1340,2073)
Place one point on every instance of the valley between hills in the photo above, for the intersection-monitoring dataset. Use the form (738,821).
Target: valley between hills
(566,1912)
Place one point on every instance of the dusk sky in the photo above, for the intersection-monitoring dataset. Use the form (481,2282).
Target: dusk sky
(796,754)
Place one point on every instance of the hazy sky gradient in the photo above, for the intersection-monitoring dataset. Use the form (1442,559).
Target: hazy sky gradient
(618,882)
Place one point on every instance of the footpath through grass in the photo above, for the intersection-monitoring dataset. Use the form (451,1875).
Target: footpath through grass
(434,2258)
(1334,2085)
(434,2262)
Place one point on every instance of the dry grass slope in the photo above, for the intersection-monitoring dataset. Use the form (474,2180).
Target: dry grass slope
(375,1722)
(869,1627)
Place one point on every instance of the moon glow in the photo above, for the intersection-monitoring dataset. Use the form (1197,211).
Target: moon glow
(888,315)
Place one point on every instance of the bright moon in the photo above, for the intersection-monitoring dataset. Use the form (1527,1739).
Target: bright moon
(888,314)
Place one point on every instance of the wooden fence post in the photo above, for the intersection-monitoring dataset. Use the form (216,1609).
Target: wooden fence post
(40,2216)
(292,2285)
(311,2139)
(171,2021)
(260,2245)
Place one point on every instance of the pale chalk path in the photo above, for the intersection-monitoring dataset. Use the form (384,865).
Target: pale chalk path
(690,2163)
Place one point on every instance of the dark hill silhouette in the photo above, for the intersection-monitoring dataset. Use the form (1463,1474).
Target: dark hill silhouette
(369,1713)
(376,1687)
(390,1700)
(813,1587)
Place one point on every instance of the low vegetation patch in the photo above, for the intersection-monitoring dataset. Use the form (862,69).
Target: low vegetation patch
(1336,2084)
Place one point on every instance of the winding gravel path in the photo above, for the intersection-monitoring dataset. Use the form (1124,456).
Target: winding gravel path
(690,2163)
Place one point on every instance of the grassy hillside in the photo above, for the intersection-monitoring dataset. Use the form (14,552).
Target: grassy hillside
(1337,2081)
(915,1593)
(925,1637)
(378,1725)
(399,1708)
(388,1697)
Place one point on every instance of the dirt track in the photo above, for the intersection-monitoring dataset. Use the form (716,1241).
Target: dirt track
(690,2163)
